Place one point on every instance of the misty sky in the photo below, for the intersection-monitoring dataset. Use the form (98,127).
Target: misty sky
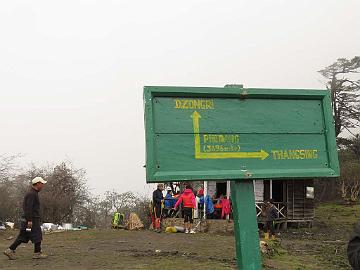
(72,72)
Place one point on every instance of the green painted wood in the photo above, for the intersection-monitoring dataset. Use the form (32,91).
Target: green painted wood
(177,158)
(239,115)
(330,134)
(238,133)
(245,225)
(149,134)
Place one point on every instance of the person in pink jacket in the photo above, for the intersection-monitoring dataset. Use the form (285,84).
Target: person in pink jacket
(226,207)
(189,203)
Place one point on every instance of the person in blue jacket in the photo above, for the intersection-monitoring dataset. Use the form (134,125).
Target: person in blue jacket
(209,207)
(169,203)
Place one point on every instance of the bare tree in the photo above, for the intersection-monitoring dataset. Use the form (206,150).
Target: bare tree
(8,165)
(66,189)
(90,214)
(124,203)
(352,144)
(121,202)
(350,180)
(10,188)
(344,92)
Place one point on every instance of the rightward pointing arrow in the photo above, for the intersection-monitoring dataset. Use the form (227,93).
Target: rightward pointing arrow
(200,155)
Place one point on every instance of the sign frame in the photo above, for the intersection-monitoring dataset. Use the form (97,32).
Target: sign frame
(154,173)
(242,188)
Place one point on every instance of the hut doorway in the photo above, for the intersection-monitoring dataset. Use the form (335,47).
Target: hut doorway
(278,191)
(275,189)
(221,189)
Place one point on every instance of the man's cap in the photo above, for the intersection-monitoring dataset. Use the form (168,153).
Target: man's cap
(37,180)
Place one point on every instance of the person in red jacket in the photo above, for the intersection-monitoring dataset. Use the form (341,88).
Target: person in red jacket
(189,203)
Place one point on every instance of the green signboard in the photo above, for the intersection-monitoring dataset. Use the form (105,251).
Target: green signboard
(238,133)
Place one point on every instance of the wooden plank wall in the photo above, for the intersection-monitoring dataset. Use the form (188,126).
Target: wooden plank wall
(259,190)
(298,207)
(211,190)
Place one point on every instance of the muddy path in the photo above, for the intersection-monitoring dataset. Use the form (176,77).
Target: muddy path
(322,247)
(118,249)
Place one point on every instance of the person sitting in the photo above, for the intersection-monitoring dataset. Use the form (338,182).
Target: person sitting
(218,207)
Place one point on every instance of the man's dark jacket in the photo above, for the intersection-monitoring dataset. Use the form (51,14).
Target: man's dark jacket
(271,213)
(353,249)
(157,197)
(31,212)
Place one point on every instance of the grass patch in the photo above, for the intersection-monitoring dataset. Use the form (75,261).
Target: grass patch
(336,214)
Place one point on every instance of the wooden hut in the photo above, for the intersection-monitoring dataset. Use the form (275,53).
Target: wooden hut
(293,198)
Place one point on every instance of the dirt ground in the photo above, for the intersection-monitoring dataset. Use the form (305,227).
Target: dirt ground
(111,249)
(318,248)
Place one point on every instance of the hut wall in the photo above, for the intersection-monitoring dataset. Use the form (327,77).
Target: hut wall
(259,190)
(211,190)
(298,206)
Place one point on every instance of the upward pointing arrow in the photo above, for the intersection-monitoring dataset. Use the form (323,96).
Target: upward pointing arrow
(219,155)
(195,116)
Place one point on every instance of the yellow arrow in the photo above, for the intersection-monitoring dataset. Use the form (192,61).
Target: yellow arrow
(200,155)
(195,116)
(261,154)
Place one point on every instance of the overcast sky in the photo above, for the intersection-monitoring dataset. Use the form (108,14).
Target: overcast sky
(72,72)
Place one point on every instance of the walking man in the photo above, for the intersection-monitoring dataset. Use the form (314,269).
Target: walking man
(30,222)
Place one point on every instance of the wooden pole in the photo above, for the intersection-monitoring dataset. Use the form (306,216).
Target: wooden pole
(228,195)
(205,193)
(245,225)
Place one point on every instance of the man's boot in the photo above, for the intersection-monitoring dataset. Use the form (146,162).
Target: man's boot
(158,225)
(155,225)
(266,236)
(10,254)
(39,255)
